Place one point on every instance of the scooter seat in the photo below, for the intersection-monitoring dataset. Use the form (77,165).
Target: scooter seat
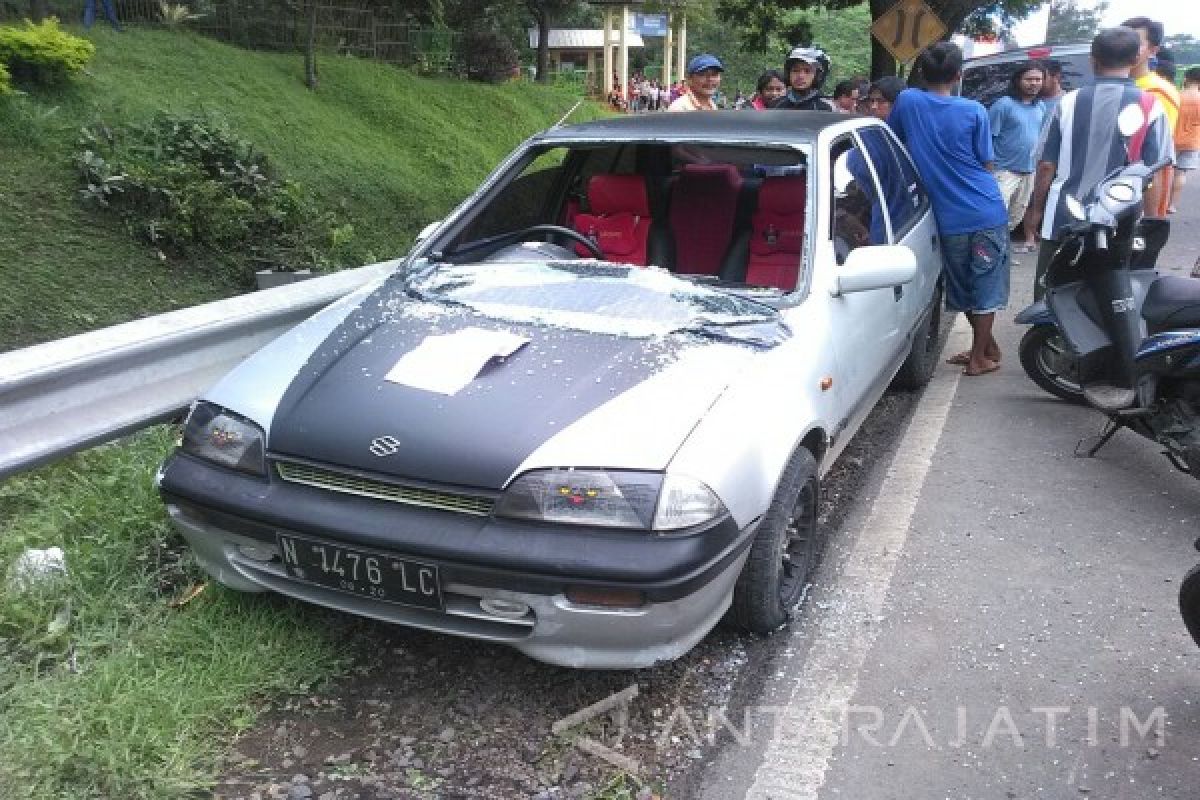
(1172,302)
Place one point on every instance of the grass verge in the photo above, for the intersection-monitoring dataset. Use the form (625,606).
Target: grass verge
(107,690)
(381,148)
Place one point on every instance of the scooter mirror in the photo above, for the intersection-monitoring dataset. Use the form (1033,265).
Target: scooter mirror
(1131,119)
(1075,208)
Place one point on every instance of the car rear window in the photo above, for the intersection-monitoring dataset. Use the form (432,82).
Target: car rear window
(988,80)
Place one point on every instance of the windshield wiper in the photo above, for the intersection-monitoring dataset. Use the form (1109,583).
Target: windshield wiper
(757,332)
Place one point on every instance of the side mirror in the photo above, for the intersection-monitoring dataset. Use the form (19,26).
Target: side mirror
(882,266)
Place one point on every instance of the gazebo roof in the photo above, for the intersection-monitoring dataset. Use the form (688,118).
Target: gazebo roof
(583,39)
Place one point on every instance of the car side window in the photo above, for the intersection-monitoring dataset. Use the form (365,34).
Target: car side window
(904,197)
(853,196)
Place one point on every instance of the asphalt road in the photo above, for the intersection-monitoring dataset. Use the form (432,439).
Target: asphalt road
(996,618)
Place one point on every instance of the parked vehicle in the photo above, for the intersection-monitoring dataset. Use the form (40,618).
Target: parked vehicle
(588,415)
(986,78)
(1101,321)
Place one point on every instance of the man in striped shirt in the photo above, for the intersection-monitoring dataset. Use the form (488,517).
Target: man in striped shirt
(1082,144)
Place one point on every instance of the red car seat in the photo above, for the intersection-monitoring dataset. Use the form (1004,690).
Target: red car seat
(618,218)
(777,233)
(704,205)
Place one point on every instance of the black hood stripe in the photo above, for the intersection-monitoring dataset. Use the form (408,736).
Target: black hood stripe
(339,401)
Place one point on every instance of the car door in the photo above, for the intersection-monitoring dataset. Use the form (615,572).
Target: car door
(909,215)
(867,325)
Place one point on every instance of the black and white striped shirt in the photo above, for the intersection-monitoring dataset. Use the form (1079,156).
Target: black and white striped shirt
(1083,141)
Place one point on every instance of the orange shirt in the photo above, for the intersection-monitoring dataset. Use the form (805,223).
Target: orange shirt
(1187,132)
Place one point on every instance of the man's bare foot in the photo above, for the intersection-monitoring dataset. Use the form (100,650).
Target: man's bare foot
(964,358)
(982,368)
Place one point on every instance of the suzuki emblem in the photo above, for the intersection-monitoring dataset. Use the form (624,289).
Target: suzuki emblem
(385,446)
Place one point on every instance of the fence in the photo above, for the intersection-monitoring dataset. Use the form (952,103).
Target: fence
(64,396)
(344,28)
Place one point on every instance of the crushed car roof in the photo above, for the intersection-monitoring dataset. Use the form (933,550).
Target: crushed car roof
(720,126)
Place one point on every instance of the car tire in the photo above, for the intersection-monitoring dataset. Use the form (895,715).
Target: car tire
(1189,602)
(917,369)
(1043,354)
(784,552)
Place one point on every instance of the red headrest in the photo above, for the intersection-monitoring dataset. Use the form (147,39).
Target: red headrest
(612,194)
(782,194)
(723,178)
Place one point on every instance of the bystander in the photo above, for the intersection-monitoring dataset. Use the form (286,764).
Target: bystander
(703,83)
(950,139)
(1016,121)
(1187,134)
(1083,144)
(1150,34)
(806,69)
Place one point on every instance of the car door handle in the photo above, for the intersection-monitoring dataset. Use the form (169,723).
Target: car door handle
(898,292)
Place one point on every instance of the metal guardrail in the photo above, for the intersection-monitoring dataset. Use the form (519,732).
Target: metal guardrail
(64,396)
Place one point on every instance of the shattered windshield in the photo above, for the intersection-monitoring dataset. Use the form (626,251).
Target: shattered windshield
(732,216)
(597,297)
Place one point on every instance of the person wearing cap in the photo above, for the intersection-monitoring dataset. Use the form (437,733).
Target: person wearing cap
(806,69)
(703,82)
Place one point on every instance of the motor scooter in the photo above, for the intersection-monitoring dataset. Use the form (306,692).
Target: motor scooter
(1189,600)
(1126,342)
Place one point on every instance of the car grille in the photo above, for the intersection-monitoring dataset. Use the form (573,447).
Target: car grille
(347,483)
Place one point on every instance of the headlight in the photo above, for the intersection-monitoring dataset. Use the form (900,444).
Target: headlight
(684,502)
(216,435)
(610,499)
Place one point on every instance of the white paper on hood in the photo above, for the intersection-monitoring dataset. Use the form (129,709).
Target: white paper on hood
(447,363)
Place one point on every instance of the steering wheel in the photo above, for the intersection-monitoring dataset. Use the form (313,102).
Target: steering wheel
(537,231)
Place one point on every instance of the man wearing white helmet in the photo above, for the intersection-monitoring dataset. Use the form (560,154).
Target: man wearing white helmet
(806,69)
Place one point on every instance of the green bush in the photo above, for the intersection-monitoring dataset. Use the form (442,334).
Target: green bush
(42,53)
(5,81)
(188,183)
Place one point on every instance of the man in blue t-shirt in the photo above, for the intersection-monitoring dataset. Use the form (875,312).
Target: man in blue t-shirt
(950,139)
(1016,121)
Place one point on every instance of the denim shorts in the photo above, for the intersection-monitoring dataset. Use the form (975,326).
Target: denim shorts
(976,270)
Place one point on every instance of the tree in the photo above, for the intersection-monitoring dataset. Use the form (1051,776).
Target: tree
(760,23)
(1070,23)
(310,47)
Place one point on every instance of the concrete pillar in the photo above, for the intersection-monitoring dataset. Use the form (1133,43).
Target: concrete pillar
(624,40)
(606,79)
(667,44)
(683,57)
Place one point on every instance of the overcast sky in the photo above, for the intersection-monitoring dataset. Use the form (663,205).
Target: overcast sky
(1178,16)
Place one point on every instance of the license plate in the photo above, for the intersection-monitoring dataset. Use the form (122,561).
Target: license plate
(375,575)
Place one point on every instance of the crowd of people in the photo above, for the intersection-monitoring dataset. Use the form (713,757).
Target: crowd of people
(999,174)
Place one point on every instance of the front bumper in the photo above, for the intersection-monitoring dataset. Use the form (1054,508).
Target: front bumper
(231,522)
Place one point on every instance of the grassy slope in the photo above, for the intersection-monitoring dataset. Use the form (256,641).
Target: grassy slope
(105,689)
(389,150)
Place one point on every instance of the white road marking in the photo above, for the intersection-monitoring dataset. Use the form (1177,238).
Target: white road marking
(806,733)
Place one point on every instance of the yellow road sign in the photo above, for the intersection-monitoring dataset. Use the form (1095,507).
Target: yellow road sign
(907,28)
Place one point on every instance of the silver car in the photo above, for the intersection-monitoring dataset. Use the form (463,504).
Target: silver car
(587,416)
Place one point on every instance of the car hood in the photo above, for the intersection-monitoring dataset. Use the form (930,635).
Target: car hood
(564,397)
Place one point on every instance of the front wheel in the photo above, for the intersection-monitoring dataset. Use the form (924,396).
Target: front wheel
(1049,362)
(784,552)
(1189,602)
